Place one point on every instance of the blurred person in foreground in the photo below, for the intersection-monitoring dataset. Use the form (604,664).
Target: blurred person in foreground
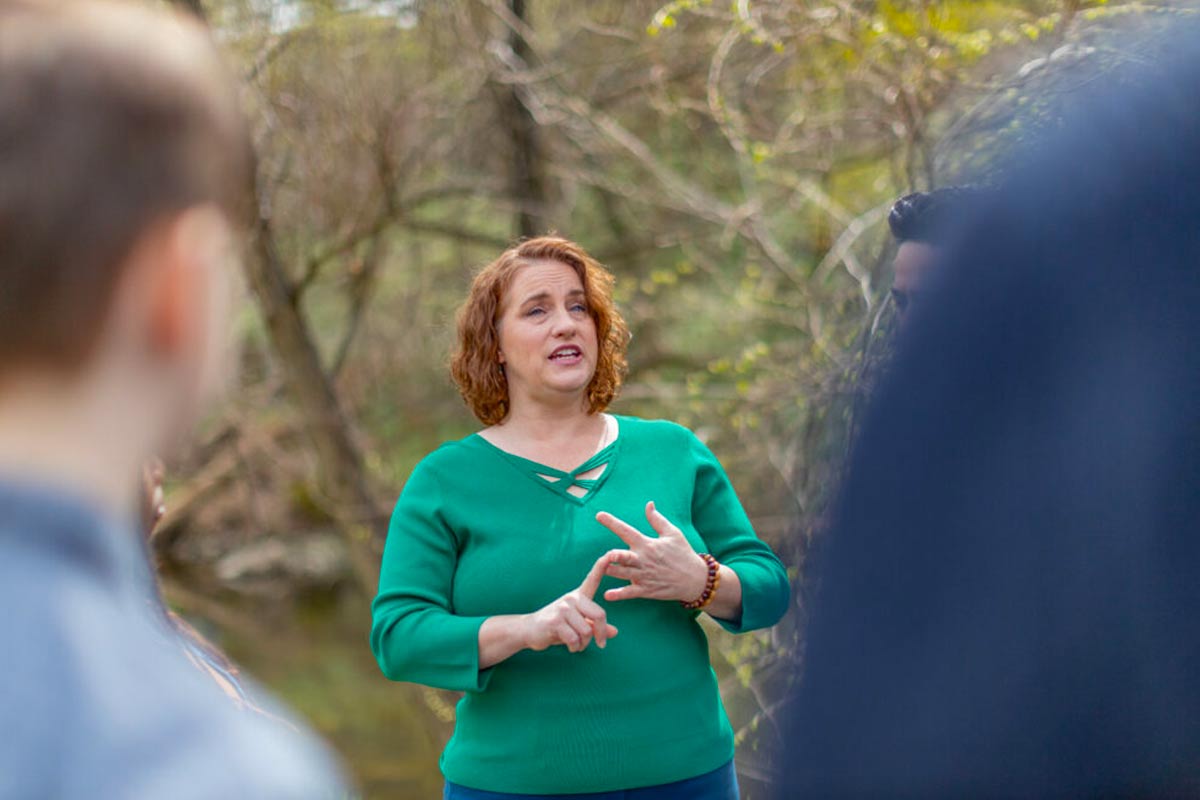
(123,163)
(1007,603)
(585,668)
(921,224)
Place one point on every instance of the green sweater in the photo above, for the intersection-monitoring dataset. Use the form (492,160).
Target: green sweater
(477,533)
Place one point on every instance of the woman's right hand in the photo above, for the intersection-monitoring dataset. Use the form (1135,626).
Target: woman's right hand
(574,619)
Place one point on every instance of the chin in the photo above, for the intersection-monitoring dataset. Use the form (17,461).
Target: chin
(570,384)
(572,388)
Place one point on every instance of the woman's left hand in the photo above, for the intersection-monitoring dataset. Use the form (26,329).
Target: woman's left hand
(666,568)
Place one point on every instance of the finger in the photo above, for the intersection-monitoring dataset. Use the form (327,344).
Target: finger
(623,564)
(610,632)
(629,592)
(567,635)
(580,625)
(622,573)
(571,636)
(600,634)
(626,532)
(661,525)
(592,582)
(626,558)
(598,620)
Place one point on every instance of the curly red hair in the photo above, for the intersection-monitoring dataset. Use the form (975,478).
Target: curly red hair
(475,364)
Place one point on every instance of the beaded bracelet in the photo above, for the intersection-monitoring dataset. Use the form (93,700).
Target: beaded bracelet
(710,584)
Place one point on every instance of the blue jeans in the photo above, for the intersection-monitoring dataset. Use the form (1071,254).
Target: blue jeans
(720,784)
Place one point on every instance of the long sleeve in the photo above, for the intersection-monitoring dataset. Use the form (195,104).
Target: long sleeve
(722,523)
(415,633)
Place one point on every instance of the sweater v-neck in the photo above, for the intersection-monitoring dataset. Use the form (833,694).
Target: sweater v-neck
(558,481)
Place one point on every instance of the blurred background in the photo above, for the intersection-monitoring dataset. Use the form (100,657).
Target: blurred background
(732,163)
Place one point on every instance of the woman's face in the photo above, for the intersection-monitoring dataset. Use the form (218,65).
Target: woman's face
(547,335)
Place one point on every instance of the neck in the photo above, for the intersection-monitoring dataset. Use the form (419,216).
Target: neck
(549,422)
(79,435)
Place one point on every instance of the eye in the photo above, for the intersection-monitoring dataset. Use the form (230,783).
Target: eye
(579,307)
(535,311)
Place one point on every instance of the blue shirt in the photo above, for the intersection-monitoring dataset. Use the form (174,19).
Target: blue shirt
(97,698)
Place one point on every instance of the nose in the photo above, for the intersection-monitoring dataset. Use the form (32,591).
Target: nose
(565,325)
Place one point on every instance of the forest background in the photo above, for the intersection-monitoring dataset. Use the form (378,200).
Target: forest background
(731,163)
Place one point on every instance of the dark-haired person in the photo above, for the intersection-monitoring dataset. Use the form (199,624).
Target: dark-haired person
(122,172)
(921,224)
(553,565)
(1008,598)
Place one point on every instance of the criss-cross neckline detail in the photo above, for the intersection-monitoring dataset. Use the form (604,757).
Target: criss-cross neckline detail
(559,481)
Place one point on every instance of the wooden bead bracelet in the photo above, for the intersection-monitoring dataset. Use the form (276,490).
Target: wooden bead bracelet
(710,584)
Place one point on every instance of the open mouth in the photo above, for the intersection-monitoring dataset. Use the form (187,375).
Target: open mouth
(566,354)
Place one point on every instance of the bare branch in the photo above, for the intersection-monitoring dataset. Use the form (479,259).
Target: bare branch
(361,286)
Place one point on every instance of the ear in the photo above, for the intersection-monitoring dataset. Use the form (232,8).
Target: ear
(186,248)
(170,319)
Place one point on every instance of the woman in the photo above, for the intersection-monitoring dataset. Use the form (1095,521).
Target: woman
(553,565)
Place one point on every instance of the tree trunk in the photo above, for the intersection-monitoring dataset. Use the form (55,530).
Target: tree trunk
(341,472)
(526,179)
